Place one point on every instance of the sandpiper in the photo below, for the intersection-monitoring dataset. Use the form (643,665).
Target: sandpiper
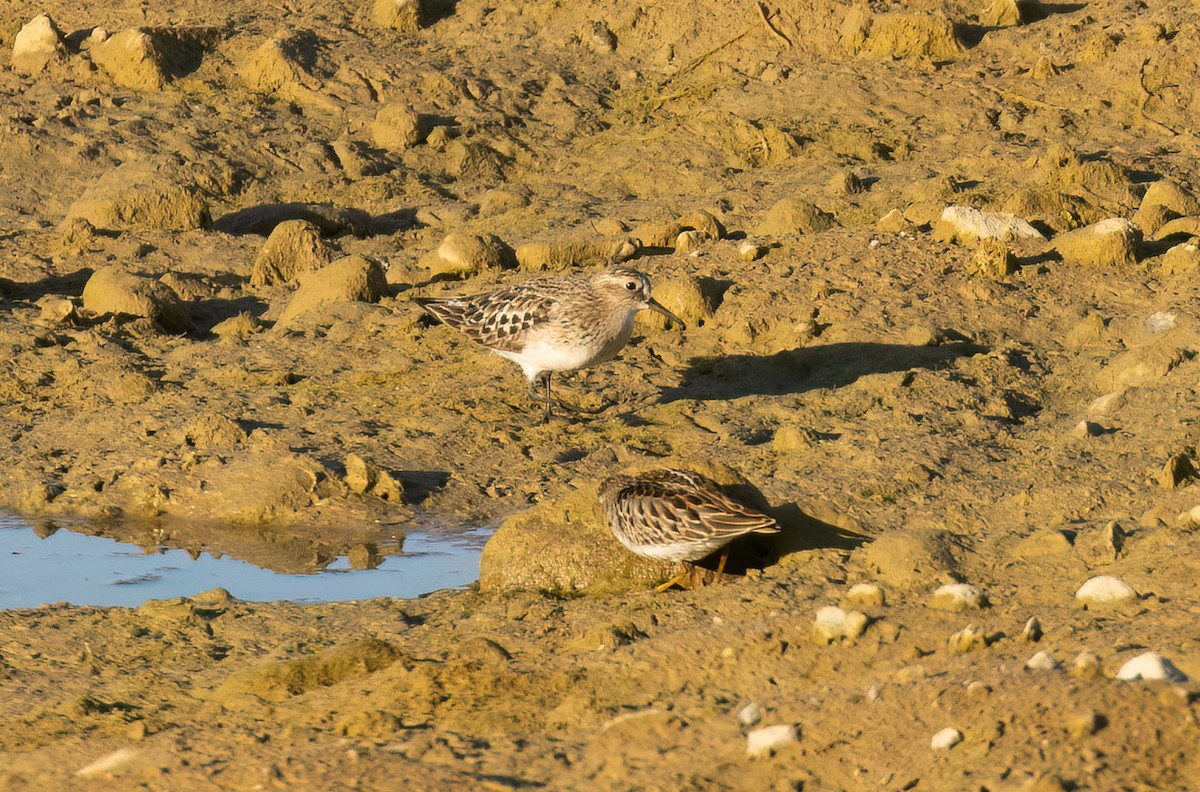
(553,324)
(677,515)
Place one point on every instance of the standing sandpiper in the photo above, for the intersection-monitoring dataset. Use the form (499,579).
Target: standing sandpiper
(677,515)
(553,324)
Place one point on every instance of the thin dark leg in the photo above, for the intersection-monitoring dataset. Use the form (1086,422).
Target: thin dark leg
(535,392)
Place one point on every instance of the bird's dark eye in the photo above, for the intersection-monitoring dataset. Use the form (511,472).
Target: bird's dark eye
(632,285)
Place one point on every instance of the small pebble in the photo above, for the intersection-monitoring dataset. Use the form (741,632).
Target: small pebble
(978,690)
(1084,725)
(867,595)
(1150,666)
(1041,661)
(750,714)
(833,623)
(946,739)
(968,639)
(1033,630)
(1105,590)
(1087,429)
(958,597)
(1086,665)
(769,739)
(1190,518)
(750,252)
(1160,322)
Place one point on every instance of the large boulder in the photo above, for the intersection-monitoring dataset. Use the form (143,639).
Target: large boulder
(38,44)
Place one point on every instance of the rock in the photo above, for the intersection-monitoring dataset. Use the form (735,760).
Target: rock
(575,253)
(133,60)
(683,297)
(1106,244)
(352,278)
(958,597)
(946,739)
(1041,661)
(688,242)
(1150,666)
(769,739)
(237,328)
(57,309)
(1084,725)
(360,474)
(750,714)
(703,222)
(1085,429)
(864,595)
(262,220)
(294,248)
(894,222)
(464,255)
(564,547)
(1170,195)
(1149,219)
(1107,405)
(398,127)
(142,195)
(1179,227)
(1102,546)
(899,35)
(1095,181)
(499,200)
(751,252)
(283,65)
(1032,633)
(834,624)
(1190,518)
(993,259)
(1105,591)
(1043,69)
(1050,208)
(657,235)
(1176,471)
(38,44)
(212,430)
(795,216)
(602,39)
(112,291)
(967,225)
(1086,666)
(968,639)
(1006,13)
(908,558)
(404,16)
(1141,365)
(1182,259)
(845,183)
(109,763)
(360,161)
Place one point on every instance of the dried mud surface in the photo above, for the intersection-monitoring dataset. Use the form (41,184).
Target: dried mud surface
(915,413)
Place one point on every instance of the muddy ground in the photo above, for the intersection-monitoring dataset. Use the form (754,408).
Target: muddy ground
(918,408)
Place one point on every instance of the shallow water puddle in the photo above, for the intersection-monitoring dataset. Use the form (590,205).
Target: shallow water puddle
(94,570)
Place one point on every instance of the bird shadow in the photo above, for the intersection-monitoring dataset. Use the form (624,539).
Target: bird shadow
(806,368)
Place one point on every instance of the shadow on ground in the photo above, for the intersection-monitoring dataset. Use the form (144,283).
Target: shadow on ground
(806,368)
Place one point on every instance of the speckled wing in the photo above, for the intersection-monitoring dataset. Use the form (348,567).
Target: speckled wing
(498,320)
(669,506)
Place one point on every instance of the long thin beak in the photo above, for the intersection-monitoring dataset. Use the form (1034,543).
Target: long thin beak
(657,307)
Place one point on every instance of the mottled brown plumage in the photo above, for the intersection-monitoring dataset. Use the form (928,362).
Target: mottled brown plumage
(676,515)
(553,324)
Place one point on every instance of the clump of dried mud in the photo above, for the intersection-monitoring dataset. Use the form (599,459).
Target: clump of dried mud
(211,230)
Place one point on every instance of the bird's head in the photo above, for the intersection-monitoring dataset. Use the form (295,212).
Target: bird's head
(631,288)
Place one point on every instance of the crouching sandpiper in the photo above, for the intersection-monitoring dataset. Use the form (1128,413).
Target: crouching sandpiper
(553,324)
(677,515)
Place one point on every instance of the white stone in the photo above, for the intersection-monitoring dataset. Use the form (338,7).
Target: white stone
(967,224)
(1041,661)
(109,762)
(1150,666)
(1033,630)
(1190,518)
(750,714)
(865,594)
(1105,590)
(833,623)
(1161,322)
(767,740)
(37,44)
(751,252)
(1107,404)
(946,739)
(958,597)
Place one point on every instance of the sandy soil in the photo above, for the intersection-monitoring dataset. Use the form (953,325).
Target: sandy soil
(917,408)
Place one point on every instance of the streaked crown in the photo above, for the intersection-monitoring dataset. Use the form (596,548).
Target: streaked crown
(624,285)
